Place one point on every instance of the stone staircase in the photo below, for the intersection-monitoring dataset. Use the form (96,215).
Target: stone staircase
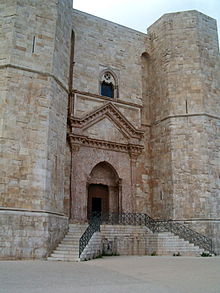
(121,240)
(68,249)
(166,243)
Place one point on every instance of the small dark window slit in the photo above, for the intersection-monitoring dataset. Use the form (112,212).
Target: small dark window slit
(33,44)
(186,107)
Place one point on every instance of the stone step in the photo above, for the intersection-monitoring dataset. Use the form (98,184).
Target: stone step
(70,241)
(63,258)
(78,225)
(65,253)
(165,253)
(124,234)
(77,230)
(74,234)
(165,243)
(123,230)
(67,249)
(168,248)
(164,237)
(174,249)
(75,245)
(72,237)
(163,234)
(171,241)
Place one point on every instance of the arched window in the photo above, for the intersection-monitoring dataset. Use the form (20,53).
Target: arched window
(107,89)
(108,86)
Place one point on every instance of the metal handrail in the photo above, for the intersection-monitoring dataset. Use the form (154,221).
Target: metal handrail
(94,226)
(156,226)
(183,232)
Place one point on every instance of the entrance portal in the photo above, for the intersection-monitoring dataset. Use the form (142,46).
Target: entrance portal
(98,199)
(103,190)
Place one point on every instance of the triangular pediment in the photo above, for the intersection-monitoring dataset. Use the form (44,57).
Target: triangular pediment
(105,129)
(110,112)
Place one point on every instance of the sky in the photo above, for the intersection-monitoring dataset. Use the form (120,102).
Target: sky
(140,14)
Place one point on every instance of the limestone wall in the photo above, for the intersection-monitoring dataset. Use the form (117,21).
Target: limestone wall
(182,69)
(184,137)
(34,98)
(142,188)
(196,162)
(171,91)
(7,19)
(107,45)
(29,235)
(67,181)
(161,173)
(34,104)
(123,240)
(24,140)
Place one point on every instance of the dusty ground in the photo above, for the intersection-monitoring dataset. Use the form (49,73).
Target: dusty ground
(124,274)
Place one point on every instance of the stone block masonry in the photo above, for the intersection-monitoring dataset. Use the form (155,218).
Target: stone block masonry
(30,235)
(123,240)
(152,145)
(34,101)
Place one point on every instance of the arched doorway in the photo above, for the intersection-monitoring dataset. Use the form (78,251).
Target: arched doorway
(98,199)
(103,190)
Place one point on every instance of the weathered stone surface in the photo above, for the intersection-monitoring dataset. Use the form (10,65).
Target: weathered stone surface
(159,134)
(30,235)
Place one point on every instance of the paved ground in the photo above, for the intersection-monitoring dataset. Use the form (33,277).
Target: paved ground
(146,274)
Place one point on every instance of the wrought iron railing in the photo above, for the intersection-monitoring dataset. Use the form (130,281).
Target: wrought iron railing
(156,226)
(133,219)
(183,232)
(94,226)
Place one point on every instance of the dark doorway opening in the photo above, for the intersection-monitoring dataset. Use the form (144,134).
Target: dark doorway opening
(98,199)
(96,205)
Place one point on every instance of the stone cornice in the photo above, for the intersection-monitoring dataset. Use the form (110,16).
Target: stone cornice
(61,84)
(80,140)
(185,116)
(115,100)
(110,111)
(23,210)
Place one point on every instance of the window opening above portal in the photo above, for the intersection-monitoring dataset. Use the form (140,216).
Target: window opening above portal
(107,89)
(108,86)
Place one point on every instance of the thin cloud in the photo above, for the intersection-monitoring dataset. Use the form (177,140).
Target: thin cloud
(140,14)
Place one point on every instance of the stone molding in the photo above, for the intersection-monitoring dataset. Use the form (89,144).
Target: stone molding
(114,100)
(78,125)
(61,84)
(140,106)
(80,140)
(110,111)
(203,114)
(21,210)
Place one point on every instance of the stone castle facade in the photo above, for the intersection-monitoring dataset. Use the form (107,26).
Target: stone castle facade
(99,117)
